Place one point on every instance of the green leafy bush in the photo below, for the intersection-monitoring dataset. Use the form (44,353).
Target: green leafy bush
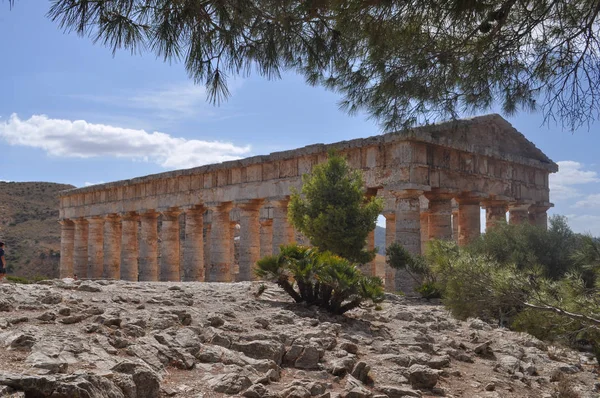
(529,279)
(529,247)
(320,278)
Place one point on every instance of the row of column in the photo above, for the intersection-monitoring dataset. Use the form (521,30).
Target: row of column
(412,226)
(126,247)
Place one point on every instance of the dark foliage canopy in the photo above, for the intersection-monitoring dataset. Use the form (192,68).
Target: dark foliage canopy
(403,62)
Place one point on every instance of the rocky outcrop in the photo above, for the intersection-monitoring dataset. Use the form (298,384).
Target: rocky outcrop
(113,339)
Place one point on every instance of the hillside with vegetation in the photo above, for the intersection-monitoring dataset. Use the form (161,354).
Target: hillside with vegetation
(29,227)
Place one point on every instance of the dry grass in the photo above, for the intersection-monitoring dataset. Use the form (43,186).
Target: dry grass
(565,388)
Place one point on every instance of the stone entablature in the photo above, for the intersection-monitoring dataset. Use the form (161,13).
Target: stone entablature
(482,161)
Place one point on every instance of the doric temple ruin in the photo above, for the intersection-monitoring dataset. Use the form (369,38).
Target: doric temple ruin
(192,224)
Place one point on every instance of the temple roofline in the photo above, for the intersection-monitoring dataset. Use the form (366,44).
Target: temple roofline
(432,134)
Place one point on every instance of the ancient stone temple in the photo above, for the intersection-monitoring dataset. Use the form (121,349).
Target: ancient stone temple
(180,225)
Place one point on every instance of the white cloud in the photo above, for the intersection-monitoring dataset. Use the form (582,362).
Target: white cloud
(80,139)
(590,201)
(570,173)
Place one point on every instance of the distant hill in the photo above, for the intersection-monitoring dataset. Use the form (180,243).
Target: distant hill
(29,227)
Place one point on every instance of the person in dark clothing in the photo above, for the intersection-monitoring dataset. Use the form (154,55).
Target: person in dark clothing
(2,262)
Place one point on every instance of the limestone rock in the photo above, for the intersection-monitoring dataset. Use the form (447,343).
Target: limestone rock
(421,376)
(88,286)
(229,383)
(308,359)
(271,349)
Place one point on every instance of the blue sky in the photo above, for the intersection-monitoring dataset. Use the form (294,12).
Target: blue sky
(70,112)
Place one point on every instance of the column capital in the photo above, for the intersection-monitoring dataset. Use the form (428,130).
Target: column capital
(193,209)
(494,203)
(540,207)
(66,222)
(266,222)
(436,194)
(407,193)
(519,206)
(472,198)
(278,201)
(130,216)
(221,206)
(249,204)
(149,214)
(95,219)
(172,214)
(113,217)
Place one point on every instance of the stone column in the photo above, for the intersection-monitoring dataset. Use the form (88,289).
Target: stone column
(220,243)
(408,233)
(169,246)
(67,248)
(390,237)
(249,238)
(283,232)
(234,268)
(193,251)
(518,214)
(112,247)
(424,216)
(148,265)
(129,247)
(455,224)
(495,213)
(440,216)
(266,237)
(95,247)
(469,220)
(371,267)
(80,251)
(538,216)
(207,243)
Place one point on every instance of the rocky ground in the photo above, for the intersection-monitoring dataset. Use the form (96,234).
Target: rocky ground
(65,339)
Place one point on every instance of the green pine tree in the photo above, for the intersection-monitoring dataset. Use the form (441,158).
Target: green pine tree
(333,211)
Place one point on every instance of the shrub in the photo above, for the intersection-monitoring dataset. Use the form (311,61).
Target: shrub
(528,246)
(417,268)
(17,279)
(321,279)
(333,211)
